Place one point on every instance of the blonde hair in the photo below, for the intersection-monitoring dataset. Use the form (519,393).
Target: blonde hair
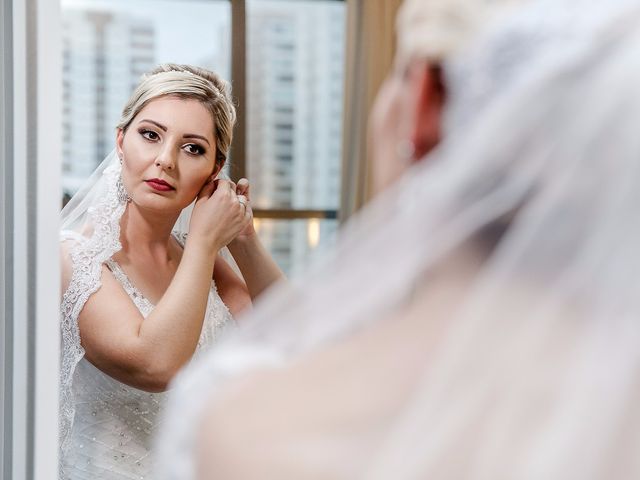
(187,82)
(435,29)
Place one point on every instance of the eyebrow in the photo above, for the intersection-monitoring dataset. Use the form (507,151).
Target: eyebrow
(186,135)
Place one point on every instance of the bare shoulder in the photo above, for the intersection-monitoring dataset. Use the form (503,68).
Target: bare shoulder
(264,424)
(107,309)
(242,435)
(331,397)
(109,324)
(294,423)
(108,321)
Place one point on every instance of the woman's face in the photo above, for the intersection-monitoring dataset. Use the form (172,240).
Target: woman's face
(168,153)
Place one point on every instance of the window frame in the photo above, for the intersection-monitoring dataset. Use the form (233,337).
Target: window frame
(239,168)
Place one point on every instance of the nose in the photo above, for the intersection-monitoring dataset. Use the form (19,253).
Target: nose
(166,159)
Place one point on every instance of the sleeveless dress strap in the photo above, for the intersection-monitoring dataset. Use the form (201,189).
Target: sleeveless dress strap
(181,237)
(140,301)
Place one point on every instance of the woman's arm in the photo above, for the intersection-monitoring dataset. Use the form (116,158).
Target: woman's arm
(146,353)
(258,269)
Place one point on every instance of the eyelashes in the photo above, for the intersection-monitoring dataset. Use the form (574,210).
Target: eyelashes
(198,149)
(191,148)
(148,134)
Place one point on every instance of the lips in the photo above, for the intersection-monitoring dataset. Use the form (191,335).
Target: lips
(159,185)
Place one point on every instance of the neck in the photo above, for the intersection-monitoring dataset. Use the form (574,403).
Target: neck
(146,233)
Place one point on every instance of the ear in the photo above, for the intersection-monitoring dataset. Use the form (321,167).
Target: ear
(217,168)
(430,94)
(119,141)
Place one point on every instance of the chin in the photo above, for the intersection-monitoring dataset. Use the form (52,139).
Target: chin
(158,202)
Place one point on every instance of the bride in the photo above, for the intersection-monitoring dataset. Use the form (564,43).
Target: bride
(480,319)
(147,280)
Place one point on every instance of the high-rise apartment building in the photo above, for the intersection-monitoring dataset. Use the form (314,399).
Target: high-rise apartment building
(295,79)
(295,63)
(104,55)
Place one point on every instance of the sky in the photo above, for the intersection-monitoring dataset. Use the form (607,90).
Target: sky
(185,29)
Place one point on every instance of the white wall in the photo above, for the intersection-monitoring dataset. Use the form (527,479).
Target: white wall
(30,186)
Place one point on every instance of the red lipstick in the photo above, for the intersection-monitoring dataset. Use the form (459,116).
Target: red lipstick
(159,184)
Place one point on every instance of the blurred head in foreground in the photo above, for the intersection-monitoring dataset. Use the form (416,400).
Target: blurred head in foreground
(480,318)
(407,119)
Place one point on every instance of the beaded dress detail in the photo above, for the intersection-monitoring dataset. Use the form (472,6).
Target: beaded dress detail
(106,427)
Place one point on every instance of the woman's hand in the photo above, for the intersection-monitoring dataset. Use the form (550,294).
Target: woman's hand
(258,269)
(218,215)
(242,190)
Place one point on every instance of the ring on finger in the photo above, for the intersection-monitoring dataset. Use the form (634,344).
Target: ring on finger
(242,200)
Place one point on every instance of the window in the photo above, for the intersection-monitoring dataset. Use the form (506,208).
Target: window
(108,44)
(294,58)
(291,63)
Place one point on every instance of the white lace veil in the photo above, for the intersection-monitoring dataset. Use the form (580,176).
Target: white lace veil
(90,234)
(532,382)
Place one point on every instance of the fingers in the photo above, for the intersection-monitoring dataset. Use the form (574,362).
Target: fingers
(223,183)
(240,191)
(244,201)
(207,189)
(224,186)
(243,187)
(232,192)
(222,211)
(214,185)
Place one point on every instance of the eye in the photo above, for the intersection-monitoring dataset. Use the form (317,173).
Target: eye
(194,149)
(149,134)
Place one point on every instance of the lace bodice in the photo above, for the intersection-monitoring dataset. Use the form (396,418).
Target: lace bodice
(113,424)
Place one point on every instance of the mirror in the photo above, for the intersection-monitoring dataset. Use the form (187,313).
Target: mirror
(287,81)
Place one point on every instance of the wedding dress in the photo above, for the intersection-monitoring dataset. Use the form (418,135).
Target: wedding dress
(535,372)
(106,426)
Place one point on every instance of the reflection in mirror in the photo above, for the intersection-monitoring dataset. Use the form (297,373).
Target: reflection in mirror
(108,45)
(139,300)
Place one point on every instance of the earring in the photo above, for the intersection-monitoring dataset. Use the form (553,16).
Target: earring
(123,196)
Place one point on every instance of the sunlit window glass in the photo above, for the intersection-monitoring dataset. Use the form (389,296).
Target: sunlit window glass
(295,76)
(295,73)
(295,53)
(295,243)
